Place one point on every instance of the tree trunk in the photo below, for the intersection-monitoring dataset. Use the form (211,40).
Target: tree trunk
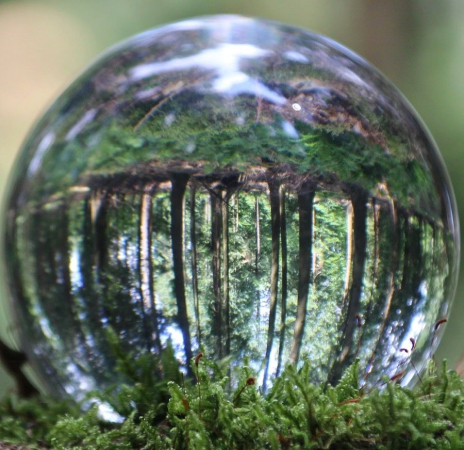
(258,235)
(257,256)
(87,269)
(284,289)
(193,240)
(225,267)
(305,207)
(56,295)
(413,275)
(63,277)
(235,211)
(375,271)
(147,290)
(274,188)
(392,288)
(179,183)
(393,269)
(376,209)
(359,200)
(349,255)
(99,212)
(216,219)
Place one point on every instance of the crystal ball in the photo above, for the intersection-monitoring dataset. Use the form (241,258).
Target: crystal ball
(236,187)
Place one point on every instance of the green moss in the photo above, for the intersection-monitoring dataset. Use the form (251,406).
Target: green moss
(209,414)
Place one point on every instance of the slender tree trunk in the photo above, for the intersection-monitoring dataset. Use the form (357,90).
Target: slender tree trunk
(216,220)
(284,289)
(359,199)
(51,240)
(376,214)
(207,210)
(305,207)
(237,212)
(349,255)
(258,235)
(225,267)
(143,268)
(418,255)
(314,252)
(408,294)
(393,268)
(61,252)
(391,279)
(179,183)
(147,289)
(99,206)
(274,188)
(375,269)
(412,278)
(88,270)
(99,213)
(257,256)
(193,240)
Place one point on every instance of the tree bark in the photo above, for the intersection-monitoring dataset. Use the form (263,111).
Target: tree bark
(91,274)
(63,279)
(359,200)
(147,289)
(257,257)
(375,272)
(413,273)
(305,207)
(235,211)
(349,255)
(284,288)
(274,188)
(225,267)
(193,240)
(216,220)
(258,235)
(99,212)
(392,288)
(376,211)
(179,184)
(87,269)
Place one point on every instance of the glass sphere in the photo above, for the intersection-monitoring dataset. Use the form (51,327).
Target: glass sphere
(237,187)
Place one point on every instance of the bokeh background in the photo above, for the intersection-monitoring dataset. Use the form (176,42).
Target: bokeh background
(418,44)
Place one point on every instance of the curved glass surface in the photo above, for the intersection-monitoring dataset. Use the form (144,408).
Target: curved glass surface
(237,187)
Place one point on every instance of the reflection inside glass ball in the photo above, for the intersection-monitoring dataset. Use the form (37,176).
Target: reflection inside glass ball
(236,187)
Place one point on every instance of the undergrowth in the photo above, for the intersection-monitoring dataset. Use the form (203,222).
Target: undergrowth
(166,412)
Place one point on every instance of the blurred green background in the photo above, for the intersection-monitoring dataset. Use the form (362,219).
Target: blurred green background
(418,44)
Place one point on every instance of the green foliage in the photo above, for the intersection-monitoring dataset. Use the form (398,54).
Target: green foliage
(146,390)
(207,413)
(29,421)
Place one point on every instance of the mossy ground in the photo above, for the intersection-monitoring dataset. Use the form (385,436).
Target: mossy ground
(208,414)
